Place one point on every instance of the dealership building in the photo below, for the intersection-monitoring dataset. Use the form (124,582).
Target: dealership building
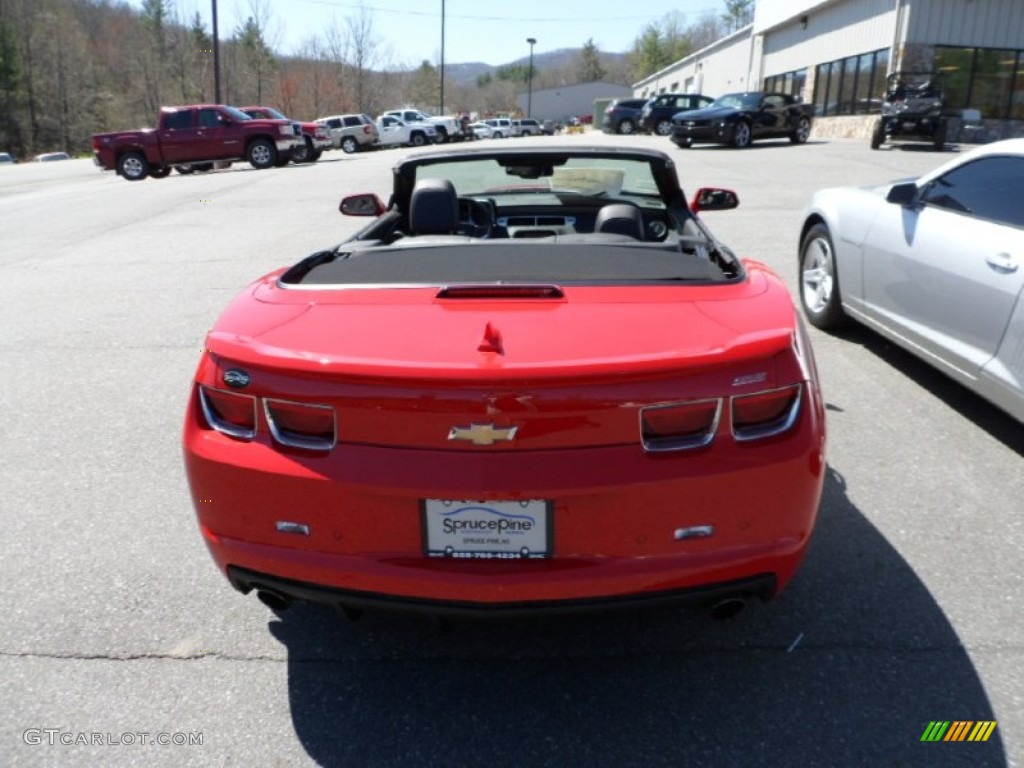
(836,54)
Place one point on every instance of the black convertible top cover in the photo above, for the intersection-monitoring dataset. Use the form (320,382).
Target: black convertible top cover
(510,261)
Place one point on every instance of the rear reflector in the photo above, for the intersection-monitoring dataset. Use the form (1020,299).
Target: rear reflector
(229,413)
(679,426)
(301,425)
(765,414)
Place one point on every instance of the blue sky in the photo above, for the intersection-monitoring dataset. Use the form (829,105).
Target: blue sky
(491,31)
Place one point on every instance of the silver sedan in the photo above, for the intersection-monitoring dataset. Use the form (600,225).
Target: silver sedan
(935,264)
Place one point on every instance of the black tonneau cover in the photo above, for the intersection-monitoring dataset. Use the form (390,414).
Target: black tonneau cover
(508,261)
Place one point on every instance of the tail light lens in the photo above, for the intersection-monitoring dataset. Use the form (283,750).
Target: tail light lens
(229,413)
(765,414)
(679,426)
(301,425)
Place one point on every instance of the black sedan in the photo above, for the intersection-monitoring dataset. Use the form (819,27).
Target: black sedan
(739,118)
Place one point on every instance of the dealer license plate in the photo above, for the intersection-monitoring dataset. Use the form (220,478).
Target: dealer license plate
(504,530)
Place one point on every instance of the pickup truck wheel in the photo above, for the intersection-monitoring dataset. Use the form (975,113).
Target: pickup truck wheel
(159,172)
(417,139)
(261,154)
(133,166)
(802,131)
(349,145)
(302,153)
(741,135)
(442,136)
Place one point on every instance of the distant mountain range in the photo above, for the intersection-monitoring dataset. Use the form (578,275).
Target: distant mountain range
(466,73)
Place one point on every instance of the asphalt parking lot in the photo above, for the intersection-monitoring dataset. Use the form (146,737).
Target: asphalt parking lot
(117,627)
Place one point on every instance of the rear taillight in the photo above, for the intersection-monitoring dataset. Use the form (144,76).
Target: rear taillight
(229,412)
(765,414)
(679,426)
(301,425)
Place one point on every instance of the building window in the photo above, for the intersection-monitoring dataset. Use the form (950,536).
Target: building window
(851,86)
(788,82)
(989,80)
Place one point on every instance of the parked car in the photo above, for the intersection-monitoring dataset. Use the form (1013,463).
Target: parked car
(936,265)
(448,127)
(656,114)
(351,133)
(501,127)
(740,118)
(201,133)
(49,157)
(526,127)
(6,159)
(316,137)
(482,130)
(912,110)
(557,390)
(622,116)
(395,132)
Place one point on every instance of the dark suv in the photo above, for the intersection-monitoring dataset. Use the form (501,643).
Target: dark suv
(622,115)
(656,115)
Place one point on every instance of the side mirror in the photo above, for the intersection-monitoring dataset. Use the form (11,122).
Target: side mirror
(361,205)
(714,199)
(902,194)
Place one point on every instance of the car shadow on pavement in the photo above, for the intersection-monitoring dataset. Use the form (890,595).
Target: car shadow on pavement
(847,668)
(988,417)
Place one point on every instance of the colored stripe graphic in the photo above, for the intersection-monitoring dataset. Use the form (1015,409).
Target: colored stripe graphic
(958,730)
(935,731)
(982,730)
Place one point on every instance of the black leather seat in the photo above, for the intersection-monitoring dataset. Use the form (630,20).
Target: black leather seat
(620,219)
(434,208)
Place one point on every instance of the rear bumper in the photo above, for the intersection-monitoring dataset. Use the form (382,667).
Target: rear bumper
(762,587)
(615,514)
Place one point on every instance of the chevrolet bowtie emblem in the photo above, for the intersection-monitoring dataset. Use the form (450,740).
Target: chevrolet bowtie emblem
(482,434)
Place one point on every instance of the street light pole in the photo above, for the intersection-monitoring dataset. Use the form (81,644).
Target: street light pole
(216,57)
(529,79)
(440,109)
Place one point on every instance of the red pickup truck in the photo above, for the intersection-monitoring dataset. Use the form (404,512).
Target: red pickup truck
(317,137)
(189,135)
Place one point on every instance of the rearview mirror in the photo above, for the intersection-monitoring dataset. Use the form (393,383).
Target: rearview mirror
(361,205)
(714,199)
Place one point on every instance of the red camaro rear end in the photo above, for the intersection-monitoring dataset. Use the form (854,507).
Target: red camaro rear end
(512,398)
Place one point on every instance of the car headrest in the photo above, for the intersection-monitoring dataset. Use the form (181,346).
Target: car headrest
(620,219)
(434,207)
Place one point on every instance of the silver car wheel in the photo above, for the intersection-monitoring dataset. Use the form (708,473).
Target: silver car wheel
(817,274)
(261,154)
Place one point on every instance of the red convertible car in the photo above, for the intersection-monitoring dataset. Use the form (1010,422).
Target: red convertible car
(535,380)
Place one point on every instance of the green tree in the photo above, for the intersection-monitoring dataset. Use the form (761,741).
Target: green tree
(10,77)
(258,57)
(590,69)
(738,13)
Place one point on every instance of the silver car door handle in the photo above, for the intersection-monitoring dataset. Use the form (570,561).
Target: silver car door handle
(1002,262)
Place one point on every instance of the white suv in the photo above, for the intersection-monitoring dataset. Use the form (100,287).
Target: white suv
(526,127)
(351,133)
